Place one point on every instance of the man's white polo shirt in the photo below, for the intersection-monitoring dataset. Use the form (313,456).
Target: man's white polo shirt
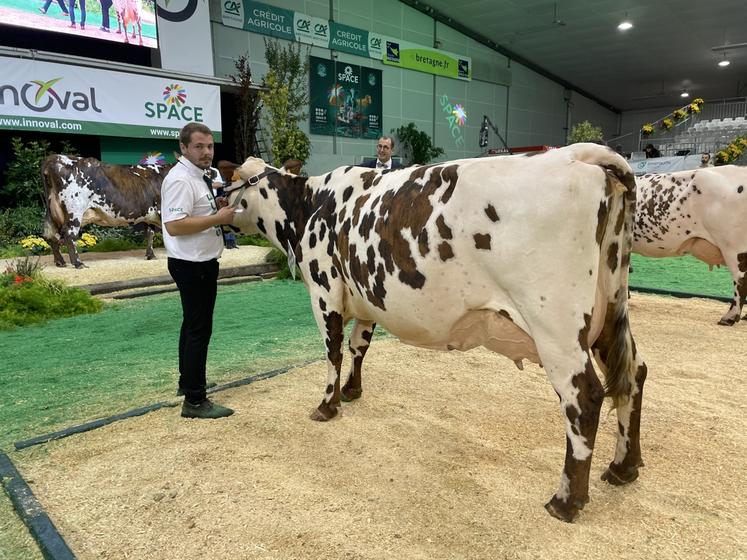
(185,193)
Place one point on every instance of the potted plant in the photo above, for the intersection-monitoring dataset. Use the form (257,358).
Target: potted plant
(417,144)
(585,132)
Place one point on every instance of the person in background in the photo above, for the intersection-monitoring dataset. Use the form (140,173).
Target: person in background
(47,3)
(105,5)
(71,11)
(705,160)
(384,149)
(193,240)
(651,152)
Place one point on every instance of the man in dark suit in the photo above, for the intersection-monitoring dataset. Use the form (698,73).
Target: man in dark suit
(384,149)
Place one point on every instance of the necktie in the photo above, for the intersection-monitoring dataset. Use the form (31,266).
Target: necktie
(380,165)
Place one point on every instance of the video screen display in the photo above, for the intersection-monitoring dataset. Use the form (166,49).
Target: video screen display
(120,21)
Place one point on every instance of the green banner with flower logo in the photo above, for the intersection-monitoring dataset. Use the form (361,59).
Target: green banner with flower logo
(345,99)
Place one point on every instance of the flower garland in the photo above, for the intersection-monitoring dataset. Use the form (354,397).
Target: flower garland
(674,117)
(732,152)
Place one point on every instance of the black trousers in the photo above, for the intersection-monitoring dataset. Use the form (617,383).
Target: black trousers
(198,286)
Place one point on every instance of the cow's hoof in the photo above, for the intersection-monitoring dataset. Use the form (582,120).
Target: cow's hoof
(60,264)
(150,257)
(727,322)
(616,477)
(565,512)
(323,413)
(80,265)
(348,395)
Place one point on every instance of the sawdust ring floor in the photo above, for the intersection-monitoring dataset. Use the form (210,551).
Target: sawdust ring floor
(447,455)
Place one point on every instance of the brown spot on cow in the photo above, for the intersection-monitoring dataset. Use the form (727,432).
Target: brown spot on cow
(612,252)
(368,179)
(482,241)
(445,252)
(491,213)
(409,209)
(443,230)
(602,215)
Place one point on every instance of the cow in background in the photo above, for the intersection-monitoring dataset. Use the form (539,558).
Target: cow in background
(525,256)
(81,191)
(702,212)
(129,12)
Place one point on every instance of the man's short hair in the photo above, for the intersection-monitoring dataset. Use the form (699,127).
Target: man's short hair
(387,137)
(185,134)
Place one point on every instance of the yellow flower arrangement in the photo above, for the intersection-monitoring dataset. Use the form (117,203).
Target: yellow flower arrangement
(647,129)
(693,108)
(698,101)
(34,243)
(679,114)
(667,123)
(86,240)
(732,152)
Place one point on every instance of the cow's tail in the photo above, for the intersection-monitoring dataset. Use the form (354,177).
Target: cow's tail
(615,342)
(55,215)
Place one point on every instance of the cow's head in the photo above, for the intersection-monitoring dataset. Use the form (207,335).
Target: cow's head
(271,202)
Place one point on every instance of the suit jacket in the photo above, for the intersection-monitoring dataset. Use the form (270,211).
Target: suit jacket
(372,164)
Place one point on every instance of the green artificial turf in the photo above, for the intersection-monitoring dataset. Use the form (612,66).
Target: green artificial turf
(680,274)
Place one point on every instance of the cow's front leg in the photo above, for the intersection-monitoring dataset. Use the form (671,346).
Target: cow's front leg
(360,340)
(149,254)
(738,267)
(581,395)
(331,325)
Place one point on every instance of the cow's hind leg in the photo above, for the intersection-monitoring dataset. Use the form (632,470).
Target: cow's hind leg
(360,339)
(581,397)
(738,267)
(625,386)
(54,244)
(331,324)
(71,235)
(568,365)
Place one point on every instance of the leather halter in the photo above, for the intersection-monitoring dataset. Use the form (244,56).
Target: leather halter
(250,182)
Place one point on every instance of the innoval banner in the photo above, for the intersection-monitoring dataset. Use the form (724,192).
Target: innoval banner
(37,95)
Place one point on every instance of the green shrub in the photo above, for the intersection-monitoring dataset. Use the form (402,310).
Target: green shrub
(17,223)
(27,297)
(257,240)
(115,244)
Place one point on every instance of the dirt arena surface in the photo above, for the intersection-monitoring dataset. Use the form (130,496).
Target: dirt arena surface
(128,265)
(446,456)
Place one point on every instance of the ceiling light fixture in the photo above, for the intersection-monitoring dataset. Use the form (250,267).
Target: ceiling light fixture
(625,24)
(684,94)
(724,62)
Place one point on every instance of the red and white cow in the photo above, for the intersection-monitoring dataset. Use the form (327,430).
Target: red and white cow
(129,12)
(702,212)
(526,256)
(81,191)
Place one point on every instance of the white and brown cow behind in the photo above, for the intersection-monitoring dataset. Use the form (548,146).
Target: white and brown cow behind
(526,256)
(702,212)
(81,191)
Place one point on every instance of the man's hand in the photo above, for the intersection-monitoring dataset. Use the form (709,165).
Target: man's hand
(224,215)
(221,201)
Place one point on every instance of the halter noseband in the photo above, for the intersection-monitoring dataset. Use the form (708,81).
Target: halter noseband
(250,182)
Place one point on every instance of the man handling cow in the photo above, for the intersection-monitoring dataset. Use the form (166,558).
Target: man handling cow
(192,236)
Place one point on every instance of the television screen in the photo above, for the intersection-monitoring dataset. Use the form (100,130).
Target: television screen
(119,21)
